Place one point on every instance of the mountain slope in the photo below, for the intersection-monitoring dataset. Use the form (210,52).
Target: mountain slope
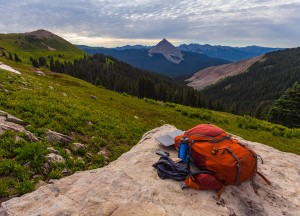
(157,63)
(38,43)
(265,81)
(211,75)
(227,52)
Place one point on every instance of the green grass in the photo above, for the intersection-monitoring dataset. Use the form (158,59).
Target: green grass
(25,48)
(113,121)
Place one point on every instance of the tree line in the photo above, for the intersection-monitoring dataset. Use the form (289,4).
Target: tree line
(115,75)
(11,57)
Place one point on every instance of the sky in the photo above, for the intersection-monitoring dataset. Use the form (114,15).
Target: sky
(111,23)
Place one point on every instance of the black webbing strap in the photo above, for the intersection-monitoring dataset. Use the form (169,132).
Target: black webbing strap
(168,169)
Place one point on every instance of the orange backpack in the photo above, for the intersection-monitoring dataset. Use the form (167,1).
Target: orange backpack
(212,149)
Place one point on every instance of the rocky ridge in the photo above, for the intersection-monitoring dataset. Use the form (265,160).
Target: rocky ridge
(130,186)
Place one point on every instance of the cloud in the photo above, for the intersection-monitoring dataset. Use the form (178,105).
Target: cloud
(229,22)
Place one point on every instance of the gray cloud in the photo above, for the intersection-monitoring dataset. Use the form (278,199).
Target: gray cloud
(229,22)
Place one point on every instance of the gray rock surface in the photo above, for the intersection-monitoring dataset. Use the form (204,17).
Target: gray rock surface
(130,186)
(13,119)
(104,153)
(77,146)
(57,137)
(10,122)
(55,158)
(31,136)
(52,150)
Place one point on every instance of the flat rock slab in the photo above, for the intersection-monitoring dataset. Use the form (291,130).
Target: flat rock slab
(130,186)
(57,137)
(13,119)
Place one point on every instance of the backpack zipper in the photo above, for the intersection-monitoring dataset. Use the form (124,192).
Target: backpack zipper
(238,165)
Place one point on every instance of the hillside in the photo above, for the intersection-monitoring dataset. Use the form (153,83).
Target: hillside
(105,122)
(130,186)
(211,75)
(158,63)
(226,52)
(98,69)
(265,81)
(38,43)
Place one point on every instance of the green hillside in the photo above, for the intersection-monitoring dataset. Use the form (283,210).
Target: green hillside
(38,43)
(254,92)
(100,119)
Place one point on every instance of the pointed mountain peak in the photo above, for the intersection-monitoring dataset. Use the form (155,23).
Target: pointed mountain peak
(168,50)
(165,42)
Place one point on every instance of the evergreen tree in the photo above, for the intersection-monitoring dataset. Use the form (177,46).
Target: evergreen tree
(52,67)
(286,110)
(17,59)
(42,61)
(35,63)
(10,56)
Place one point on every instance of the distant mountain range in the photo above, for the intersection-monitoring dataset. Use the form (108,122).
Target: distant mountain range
(226,52)
(164,58)
(229,53)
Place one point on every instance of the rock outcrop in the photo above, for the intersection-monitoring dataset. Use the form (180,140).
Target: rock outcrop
(57,137)
(130,186)
(55,158)
(10,122)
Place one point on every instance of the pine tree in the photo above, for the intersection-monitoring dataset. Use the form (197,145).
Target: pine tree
(52,68)
(10,56)
(35,63)
(286,110)
(17,59)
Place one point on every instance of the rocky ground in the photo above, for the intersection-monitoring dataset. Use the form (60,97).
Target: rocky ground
(130,186)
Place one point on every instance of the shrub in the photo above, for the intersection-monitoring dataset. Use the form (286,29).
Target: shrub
(55,174)
(21,173)
(7,166)
(5,184)
(33,152)
(25,187)
(98,160)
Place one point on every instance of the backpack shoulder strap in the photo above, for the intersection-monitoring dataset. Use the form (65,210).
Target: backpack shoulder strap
(264,178)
